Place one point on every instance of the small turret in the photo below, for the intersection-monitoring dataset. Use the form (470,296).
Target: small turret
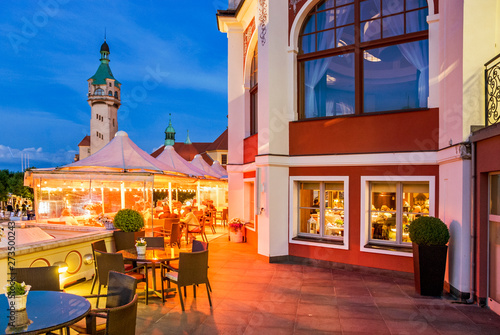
(169,133)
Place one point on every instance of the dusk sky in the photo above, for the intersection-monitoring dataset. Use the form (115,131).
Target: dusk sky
(49,49)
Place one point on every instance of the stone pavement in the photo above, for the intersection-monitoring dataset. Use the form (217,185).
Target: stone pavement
(251,296)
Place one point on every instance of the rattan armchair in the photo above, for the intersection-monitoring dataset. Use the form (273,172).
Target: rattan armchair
(109,261)
(44,278)
(120,314)
(193,270)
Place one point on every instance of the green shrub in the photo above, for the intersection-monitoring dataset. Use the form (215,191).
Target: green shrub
(128,220)
(428,230)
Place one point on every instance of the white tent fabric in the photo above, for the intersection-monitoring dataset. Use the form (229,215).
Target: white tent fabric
(170,157)
(218,168)
(121,154)
(200,163)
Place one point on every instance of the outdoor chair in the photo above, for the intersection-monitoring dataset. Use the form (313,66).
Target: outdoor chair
(155,242)
(224,216)
(101,246)
(210,221)
(193,270)
(197,229)
(167,227)
(175,235)
(120,314)
(109,261)
(44,278)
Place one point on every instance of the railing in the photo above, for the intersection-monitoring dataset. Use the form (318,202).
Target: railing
(492,88)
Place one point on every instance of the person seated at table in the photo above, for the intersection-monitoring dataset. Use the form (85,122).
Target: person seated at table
(191,222)
(166,214)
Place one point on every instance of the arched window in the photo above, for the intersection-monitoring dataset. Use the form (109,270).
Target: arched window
(254,93)
(99,91)
(116,94)
(363,56)
(110,93)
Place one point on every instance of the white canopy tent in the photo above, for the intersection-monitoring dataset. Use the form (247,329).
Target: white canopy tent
(120,175)
(121,155)
(218,168)
(171,158)
(200,163)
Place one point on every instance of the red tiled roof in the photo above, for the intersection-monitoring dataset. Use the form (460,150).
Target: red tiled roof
(220,143)
(188,151)
(85,142)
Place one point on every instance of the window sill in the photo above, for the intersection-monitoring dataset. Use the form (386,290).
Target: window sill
(390,248)
(318,240)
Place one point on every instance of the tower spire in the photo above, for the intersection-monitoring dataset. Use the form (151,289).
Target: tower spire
(188,140)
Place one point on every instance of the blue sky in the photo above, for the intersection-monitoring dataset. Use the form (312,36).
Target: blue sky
(49,48)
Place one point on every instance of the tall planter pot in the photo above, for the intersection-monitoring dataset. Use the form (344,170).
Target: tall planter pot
(126,240)
(429,266)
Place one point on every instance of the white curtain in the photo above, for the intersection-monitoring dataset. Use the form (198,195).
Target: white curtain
(316,70)
(417,53)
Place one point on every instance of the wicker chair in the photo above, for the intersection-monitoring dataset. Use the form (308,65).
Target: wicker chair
(155,242)
(109,261)
(193,270)
(44,278)
(120,314)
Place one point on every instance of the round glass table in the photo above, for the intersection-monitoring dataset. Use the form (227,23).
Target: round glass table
(45,311)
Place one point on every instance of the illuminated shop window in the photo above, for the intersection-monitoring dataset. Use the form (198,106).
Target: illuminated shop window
(321,210)
(392,207)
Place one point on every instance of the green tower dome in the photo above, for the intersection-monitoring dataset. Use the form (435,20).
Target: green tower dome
(169,133)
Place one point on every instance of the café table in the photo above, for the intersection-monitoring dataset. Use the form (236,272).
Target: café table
(152,256)
(45,311)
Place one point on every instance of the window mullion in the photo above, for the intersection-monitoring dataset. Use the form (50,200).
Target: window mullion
(399,213)
(321,209)
(358,65)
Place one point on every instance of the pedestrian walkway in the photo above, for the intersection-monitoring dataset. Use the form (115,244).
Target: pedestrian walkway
(251,296)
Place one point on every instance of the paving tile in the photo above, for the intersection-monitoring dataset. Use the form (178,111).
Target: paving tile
(408,313)
(359,312)
(352,292)
(225,317)
(419,326)
(361,326)
(318,299)
(268,320)
(318,310)
(251,330)
(317,323)
(458,328)
(276,307)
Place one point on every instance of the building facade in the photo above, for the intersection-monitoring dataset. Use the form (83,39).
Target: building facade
(348,119)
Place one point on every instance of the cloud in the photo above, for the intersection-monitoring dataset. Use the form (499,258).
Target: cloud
(36,156)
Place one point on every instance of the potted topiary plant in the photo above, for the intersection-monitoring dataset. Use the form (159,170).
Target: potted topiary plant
(429,236)
(130,223)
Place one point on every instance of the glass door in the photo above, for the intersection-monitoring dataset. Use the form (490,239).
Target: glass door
(494,245)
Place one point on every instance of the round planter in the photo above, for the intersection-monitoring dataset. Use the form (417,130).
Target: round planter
(236,237)
(18,302)
(141,250)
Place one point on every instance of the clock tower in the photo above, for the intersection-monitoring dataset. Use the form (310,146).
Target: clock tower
(104,101)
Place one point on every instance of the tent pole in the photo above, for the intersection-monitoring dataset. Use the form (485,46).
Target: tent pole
(170,197)
(122,193)
(217,196)
(198,193)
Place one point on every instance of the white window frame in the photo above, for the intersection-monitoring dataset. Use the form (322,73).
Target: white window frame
(294,207)
(365,222)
